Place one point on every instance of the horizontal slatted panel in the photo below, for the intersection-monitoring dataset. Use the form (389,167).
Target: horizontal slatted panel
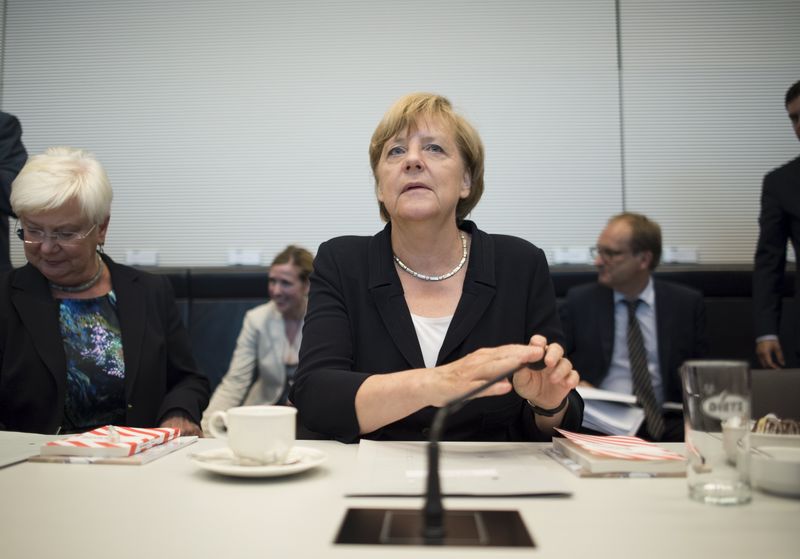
(245,124)
(703,86)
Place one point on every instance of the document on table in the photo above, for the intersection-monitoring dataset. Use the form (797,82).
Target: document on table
(400,469)
(614,413)
(18,447)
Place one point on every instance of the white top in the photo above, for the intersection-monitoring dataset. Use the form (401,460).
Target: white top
(431,333)
(171,508)
(620,378)
(262,354)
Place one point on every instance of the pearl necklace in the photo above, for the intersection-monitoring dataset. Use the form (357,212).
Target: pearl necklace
(449,274)
(91,282)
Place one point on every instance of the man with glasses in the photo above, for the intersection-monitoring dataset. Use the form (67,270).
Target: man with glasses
(779,222)
(12,158)
(630,332)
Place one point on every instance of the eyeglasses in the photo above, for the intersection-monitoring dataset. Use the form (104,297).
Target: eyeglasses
(606,254)
(36,236)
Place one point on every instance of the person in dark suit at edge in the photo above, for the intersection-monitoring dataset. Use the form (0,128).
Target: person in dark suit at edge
(671,319)
(12,158)
(778,222)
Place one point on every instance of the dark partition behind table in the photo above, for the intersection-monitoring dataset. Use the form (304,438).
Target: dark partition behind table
(213,302)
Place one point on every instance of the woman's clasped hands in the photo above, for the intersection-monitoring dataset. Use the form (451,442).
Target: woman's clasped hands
(547,388)
(543,387)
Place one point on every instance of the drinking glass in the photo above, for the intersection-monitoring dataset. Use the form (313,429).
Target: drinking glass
(717,394)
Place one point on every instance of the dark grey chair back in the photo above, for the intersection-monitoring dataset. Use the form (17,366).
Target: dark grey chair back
(776,391)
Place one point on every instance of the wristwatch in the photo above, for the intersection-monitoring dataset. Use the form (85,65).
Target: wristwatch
(545,412)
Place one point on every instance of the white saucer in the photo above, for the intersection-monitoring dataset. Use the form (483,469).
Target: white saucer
(222,461)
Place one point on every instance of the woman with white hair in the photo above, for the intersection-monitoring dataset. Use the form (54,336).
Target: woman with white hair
(85,341)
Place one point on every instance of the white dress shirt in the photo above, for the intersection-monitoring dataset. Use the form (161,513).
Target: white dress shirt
(619,378)
(431,333)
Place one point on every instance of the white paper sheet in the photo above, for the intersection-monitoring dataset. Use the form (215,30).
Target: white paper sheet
(17,447)
(399,468)
(614,413)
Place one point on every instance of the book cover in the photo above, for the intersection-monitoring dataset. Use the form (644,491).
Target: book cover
(599,455)
(138,459)
(110,441)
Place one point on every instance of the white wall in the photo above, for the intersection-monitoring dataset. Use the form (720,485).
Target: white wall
(704,119)
(245,124)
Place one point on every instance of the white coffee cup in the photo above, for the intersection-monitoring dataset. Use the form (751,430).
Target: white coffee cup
(263,434)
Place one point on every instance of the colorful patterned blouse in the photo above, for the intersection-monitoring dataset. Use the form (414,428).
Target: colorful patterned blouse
(95,365)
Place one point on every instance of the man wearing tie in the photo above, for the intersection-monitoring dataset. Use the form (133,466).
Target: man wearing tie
(779,221)
(630,332)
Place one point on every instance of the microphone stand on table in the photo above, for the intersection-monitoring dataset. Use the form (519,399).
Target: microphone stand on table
(434,525)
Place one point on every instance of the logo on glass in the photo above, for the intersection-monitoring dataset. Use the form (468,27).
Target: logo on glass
(724,405)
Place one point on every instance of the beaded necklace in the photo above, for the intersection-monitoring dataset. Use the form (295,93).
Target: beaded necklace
(449,274)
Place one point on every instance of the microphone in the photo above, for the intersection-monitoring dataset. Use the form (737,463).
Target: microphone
(433,525)
(433,530)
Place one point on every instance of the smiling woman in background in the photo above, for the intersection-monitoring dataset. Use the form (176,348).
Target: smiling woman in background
(85,341)
(400,323)
(265,358)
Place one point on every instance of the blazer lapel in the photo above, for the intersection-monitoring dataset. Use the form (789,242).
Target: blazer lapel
(39,314)
(607,325)
(479,289)
(132,315)
(387,293)
(664,340)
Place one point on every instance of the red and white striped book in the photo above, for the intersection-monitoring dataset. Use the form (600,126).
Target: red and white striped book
(601,454)
(110,441)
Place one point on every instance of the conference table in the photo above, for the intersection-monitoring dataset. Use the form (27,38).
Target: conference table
(171,508)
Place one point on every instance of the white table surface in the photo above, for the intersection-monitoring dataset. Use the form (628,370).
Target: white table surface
(169,508)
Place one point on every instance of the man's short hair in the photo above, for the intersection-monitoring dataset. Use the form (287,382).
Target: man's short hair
(645,235)
(793,92)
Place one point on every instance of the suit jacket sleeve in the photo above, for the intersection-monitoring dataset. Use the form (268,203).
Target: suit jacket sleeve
(12,157)
(770,258)
(685,337)
(587,316)
(327,355)
(187,388)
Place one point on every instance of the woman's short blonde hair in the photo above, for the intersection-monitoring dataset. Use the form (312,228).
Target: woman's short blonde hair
(60,174)
(406,113)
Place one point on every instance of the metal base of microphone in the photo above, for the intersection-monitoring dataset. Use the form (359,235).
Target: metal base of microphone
(465,528)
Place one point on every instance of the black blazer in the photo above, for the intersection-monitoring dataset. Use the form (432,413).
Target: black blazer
(358,324)
(779,221)
(12,158)
(587,315)
(160,372)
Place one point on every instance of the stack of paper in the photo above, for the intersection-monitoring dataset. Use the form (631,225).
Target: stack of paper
(609,412)
(110,441)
